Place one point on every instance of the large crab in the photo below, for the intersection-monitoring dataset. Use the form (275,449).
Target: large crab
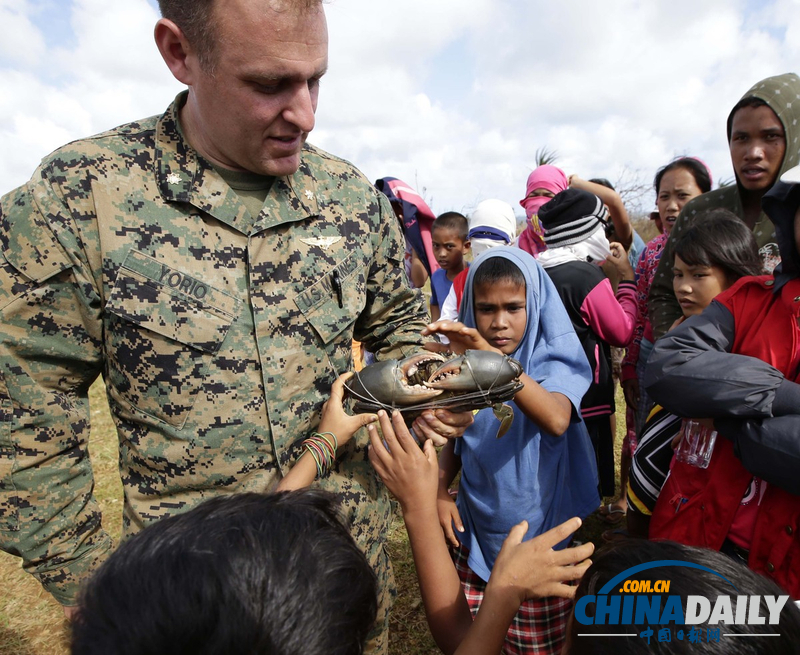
(474,380)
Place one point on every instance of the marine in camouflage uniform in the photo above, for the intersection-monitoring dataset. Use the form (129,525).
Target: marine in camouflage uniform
(218,335)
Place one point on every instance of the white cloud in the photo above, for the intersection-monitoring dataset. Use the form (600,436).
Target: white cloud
(21,42)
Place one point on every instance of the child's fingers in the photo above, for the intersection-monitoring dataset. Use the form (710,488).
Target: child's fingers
(404,437)
(388,432)
(429,450)
(576,555)
(436,347)
(378,455)
(516,534)
(561,591)
(337,388)
(559,533)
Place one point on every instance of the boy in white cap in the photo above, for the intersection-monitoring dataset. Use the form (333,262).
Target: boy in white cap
(491,224)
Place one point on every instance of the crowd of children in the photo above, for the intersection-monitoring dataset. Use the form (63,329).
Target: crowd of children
(557,298)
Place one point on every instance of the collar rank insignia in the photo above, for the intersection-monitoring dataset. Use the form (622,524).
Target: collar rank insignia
(322,242)
(309,194)
(173,178)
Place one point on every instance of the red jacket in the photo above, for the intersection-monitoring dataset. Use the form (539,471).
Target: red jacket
(696,507)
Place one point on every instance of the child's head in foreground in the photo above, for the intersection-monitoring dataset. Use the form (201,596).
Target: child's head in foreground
(499,302)
(710,256)
(449,235)
(720,577)
(246,573)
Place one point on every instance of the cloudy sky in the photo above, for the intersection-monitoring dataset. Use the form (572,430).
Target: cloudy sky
(455,96)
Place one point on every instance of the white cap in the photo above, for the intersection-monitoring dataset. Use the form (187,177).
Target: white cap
(792,176)
(494,217)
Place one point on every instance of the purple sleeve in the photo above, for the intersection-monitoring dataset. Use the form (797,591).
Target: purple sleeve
(611,317)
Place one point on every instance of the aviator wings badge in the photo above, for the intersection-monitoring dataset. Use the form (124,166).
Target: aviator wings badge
(322,242)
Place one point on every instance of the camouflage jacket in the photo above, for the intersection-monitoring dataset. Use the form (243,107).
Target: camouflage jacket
(218,334)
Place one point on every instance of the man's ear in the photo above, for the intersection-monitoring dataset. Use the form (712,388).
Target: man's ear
(467,245)
(176,51)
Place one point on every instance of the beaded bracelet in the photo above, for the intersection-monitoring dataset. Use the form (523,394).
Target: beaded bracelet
(322,446)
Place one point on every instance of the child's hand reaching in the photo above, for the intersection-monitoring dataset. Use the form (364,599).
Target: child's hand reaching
(334,419)
(532,569)
(409,472)
(461,338)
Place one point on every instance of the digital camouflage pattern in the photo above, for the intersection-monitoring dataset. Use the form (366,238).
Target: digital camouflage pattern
(218,334)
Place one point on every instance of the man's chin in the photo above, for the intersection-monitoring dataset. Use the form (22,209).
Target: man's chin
(281,166)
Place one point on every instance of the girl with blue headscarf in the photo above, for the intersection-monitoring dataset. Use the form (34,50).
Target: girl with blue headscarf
(543,470)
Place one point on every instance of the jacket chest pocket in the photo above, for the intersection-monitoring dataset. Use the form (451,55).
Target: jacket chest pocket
(331,306)
(163,328)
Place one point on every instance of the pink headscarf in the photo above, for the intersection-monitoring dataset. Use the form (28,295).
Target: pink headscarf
(544,177)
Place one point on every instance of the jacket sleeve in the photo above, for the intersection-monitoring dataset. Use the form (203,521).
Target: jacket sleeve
(611,317)
(395,315)
(49,355)
(692,372)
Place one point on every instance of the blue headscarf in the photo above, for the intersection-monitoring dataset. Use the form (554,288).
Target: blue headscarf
(527,474)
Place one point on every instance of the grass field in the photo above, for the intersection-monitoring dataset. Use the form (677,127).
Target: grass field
(32,623)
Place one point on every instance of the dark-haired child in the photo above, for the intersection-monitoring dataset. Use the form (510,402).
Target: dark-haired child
(246,573)
(713,254)
(449,235)
(738,363)
(543,469)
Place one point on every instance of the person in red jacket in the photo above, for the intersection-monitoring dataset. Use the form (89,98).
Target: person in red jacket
(739,364)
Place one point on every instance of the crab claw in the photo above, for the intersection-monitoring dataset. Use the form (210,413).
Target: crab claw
(396,383)
(475,370)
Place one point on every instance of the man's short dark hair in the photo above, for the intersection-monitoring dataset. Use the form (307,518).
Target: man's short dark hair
(196,20)
(247,573)
(454,221)
(615,559)
(747,101)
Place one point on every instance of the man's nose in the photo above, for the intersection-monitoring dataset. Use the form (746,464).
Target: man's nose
(755,151)
(300,107)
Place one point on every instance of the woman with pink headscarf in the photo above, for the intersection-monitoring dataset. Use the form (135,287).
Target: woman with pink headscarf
(544,183)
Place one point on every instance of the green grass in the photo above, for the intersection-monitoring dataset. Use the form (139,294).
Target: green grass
(32,623)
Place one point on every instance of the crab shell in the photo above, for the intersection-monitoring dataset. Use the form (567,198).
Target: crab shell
(470,381)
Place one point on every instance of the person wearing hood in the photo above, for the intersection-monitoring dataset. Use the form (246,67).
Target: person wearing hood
(416,219)
(764,140)
(543,184)
(738,363)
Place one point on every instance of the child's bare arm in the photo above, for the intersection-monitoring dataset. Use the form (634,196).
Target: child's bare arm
(449,466)
(411,474)
(334,421)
